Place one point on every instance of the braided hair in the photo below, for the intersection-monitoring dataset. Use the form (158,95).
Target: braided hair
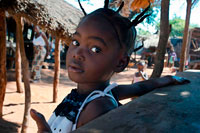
(124,28)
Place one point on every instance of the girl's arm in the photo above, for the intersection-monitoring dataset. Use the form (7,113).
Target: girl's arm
(143,87)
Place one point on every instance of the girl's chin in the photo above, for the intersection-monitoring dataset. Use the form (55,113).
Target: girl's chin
(77,79)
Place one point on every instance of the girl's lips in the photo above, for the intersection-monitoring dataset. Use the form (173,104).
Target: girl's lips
(75,69)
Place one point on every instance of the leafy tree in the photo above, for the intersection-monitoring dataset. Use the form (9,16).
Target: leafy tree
(177,26)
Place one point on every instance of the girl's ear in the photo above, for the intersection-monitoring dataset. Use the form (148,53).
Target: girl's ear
(122,64)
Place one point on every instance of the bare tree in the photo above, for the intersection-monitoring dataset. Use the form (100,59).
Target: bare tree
(162,43)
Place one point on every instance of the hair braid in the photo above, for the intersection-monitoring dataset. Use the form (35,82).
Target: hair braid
(123,27)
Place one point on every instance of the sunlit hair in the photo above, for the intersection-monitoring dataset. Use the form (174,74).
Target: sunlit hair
(123,27)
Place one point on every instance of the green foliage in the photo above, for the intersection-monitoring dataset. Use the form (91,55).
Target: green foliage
(151,19)
(177,26)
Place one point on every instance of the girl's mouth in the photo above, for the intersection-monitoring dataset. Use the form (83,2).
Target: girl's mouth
(75,69)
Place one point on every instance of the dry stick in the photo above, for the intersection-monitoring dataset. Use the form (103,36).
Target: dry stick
(25,72)
(3,80)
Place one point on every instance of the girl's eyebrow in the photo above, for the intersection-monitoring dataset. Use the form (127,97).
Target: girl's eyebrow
(98,39)
(93,37)
(76,33)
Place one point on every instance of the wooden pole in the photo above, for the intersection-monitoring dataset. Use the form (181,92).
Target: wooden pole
(18,65)
(25,72)
(185,37)
(188,46)
(56,69)
(3,79)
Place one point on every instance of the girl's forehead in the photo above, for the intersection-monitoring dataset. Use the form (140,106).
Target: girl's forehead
(97,20)
(96,25)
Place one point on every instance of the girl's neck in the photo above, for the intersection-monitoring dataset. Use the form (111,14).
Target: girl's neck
(86,89)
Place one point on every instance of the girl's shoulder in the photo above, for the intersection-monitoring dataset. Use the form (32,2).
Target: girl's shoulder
(102,103)
(96,108)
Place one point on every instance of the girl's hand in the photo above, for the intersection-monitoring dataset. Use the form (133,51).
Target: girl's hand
(42,124)
(180,80)
(140,73)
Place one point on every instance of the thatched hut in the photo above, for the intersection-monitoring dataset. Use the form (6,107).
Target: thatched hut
(54,16)
(57,17)
(150,43)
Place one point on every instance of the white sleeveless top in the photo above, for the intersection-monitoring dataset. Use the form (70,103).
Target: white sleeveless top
(138,79)
(39,41)
(60,124)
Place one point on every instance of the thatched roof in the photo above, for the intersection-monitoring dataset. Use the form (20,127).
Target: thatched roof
(56,16)
(150,41)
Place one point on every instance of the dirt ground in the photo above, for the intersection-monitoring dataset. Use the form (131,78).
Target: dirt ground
(42,95)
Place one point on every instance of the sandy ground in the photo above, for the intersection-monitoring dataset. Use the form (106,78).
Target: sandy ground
(42,95)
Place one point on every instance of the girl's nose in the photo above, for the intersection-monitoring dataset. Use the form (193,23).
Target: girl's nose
(79,54)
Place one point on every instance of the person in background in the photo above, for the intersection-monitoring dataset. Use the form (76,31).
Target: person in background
(141,74)
(41,48)
(172,59)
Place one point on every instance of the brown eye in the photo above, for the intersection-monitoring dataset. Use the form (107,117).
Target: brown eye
(95,49)
(75,43)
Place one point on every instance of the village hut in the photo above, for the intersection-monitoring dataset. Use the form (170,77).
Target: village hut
(57,17)
(150,43)
(193,54)
(193,48)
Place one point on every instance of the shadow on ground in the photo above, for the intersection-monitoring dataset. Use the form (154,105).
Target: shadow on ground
(8,127)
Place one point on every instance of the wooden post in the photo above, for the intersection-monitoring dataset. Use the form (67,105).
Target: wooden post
(18,65)
(188,46)
(56,69)
(25,72)
(3,78)
(185,37)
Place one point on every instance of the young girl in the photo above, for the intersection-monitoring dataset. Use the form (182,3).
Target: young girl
(141,74)
(101,46)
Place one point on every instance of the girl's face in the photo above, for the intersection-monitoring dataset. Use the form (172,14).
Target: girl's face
(94,54)
(140,67)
